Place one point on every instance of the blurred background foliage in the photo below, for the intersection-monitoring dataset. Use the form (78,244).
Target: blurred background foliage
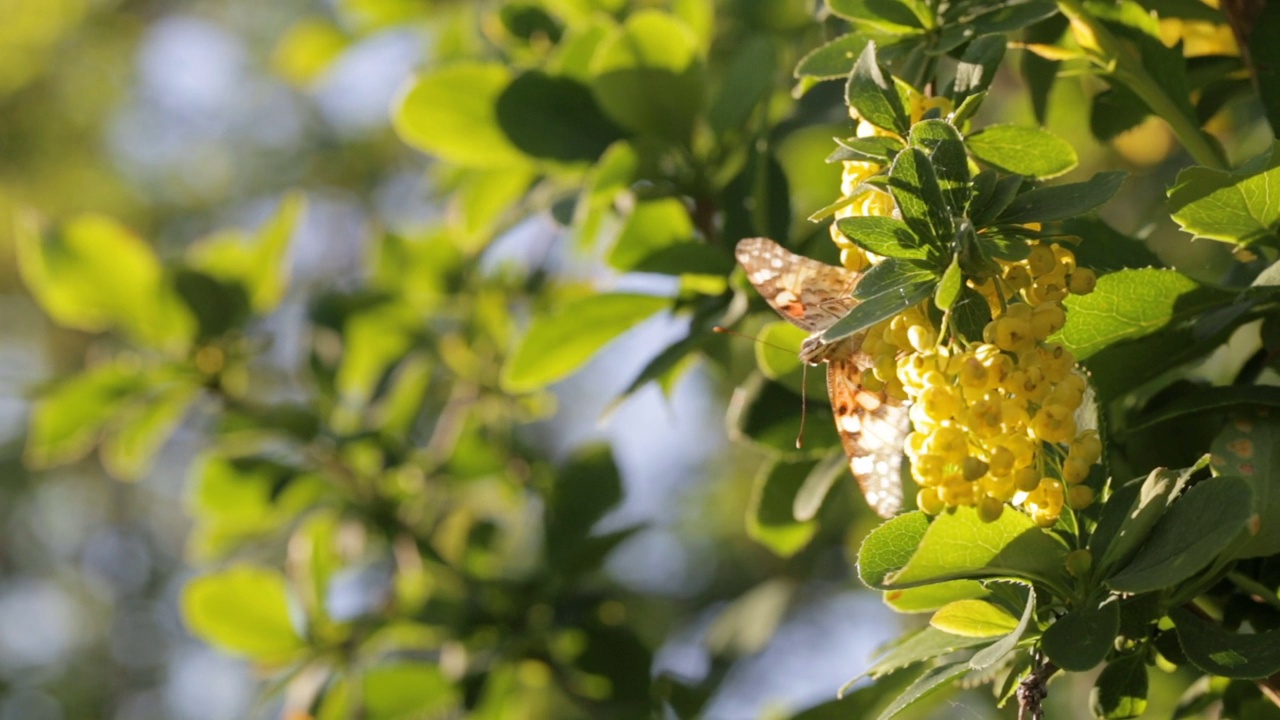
(295,427)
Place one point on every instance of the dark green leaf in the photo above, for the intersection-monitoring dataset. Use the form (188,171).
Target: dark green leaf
(555,118)
(1249,447)
(991,197)
(884,236)
(1121,689)
(1264,54)
(757,202)
(653,226)
(747,82)
(218,306)
(977,67)
(1039,73)
(769,414)
(877,308)
(945,147)
(915,189)
(1211,399)
(1104,249)
(1131,513)
(871,92)
(1061,202)
(890,275)
(586,488)
(1216,651)
(878,148)
(1115,111)
(970,314)
(1081,639)
(1001,17)
(933,681)
(1196,529)
(1028,151)
(886,16)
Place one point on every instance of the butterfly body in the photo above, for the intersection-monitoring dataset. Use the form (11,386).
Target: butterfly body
(813,296)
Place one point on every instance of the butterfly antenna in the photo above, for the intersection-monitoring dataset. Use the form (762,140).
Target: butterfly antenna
(804,378)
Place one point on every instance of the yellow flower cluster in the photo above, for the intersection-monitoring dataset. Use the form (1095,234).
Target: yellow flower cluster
(994,421)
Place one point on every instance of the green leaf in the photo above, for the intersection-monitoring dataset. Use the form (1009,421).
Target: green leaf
(138,433)
(1264,63)
(1062,202)
(68,420)
(874,309)
(926,643)
(653,226)
(933,681)
(1130,304)
(747,82)
(977,67)
(747,625)
(817,484)
(991,196)
(770,519)
(1030,151)
(889,547)
(237,500)
(945,147)
(833,60)
(782,366)
(649,76)
(974,618)
(994,653)
(960,545)
(892,17)
(878,148)
(1216,651)
(1131,513)
(970,314)
(915,189)
(1079,640)
(243,610)
(1247,447)
(890,275)
(555,118)
(259,263)
(1197,528)
(872,94)
(768,413)
(452,113)
(927,598)
(94,274)
(949,287)
(1241,206)
(884,236)
(402,690)
(560,343)
(1210,399)
(585,489)
(1121,689)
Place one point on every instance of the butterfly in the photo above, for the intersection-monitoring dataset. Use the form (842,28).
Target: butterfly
(813,296)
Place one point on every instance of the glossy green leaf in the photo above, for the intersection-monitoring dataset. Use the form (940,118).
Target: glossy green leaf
(974,618)
(927,598)
(94,274)
(889,547)
(771,520)
(1030,151)
(559,343)
(243,610)
(959,545)
(649,76)
(1217,651)
(878,307)
(402,690)
(1240,207)
(1132,512)
(1120,691)
(258,263)
(554,118)
(991,195)
(1196,529)
(452,112)
(884,236)
(877,148)
(977,67)
(945,147)
(1249,447)
(1062,202)
(1081,639)
(871,92)
(949,286)
(891,275)
(833,60)
(989,656)
(915,189)
(1130,304)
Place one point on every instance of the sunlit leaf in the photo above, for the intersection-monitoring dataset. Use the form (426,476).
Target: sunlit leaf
(243,610)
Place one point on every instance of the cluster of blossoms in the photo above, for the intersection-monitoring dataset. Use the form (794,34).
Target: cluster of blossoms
(994,422)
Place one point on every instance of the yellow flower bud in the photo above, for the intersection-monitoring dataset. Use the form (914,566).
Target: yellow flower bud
(1065,258)
(1041,261)
(929,502)
(1013,334)
(921,338)
(1002,488)
(1026,479)
(1054,423)
(1075,470)
(1001,462)
(1079,497)
(973,468)
(1088,447)
(1082,281)
(1017,277)
(939,402)
(990,509)
(948,442)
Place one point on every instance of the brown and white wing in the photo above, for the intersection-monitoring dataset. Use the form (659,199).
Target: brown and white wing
(807,293)
(872,429)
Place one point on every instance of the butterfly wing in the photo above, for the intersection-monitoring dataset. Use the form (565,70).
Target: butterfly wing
(809,294)
(872,429)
